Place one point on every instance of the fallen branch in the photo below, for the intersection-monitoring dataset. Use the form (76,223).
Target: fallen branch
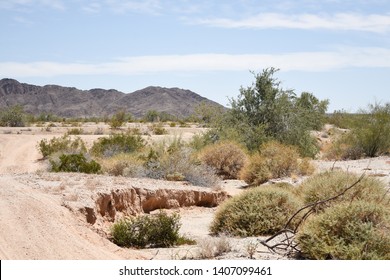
(288,243)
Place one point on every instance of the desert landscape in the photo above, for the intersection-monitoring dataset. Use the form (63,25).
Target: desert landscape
(46,215)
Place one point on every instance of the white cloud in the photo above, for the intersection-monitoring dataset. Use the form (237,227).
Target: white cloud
(340,21)
(301,61)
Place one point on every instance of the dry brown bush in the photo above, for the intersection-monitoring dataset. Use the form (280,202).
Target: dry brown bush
(274,160)
(227,158)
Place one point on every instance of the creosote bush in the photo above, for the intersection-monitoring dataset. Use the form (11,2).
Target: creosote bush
(258,211)
(357,230)
(160,230)
(227,158)
(116,144)
(274,160)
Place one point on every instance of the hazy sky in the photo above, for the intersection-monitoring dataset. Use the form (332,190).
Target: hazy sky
(336,49)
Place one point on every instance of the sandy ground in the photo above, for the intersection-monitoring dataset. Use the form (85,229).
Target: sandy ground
(35,224)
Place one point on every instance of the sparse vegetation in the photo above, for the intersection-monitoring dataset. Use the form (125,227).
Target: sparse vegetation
(175,161)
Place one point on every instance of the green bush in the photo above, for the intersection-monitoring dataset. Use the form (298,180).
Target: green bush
(259,211)
(13,117)
(369,135)
(356,230)
(159,230)
(64,144)
(227,158)
(328,184)
(116,144)
(74,163)
(274,160)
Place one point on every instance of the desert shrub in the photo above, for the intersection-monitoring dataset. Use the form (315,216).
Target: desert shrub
(305,167)
(369,135)
(342,148)
(119,118)
(274,160)
(328,184)
(127,165)
(160,230)
(13,117)
(75,131)
(158,129)
(210,248)
(64,144)
(175,162)
(259,211)
(227,158)
(348,231)
(74,163)
(116,144)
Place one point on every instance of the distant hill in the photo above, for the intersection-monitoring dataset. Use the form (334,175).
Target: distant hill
(72,102)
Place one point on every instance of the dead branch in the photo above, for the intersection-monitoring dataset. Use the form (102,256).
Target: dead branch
(288,244)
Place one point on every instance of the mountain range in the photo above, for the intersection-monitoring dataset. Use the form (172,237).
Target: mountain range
(73,102)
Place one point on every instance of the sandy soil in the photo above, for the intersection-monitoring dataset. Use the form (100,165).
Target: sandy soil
(35,222)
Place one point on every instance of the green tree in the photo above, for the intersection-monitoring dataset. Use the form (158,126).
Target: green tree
(265,111)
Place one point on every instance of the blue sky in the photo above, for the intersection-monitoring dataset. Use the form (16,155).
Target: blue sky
(336,49)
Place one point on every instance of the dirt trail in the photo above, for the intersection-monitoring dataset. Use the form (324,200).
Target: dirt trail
(34,225)
(18,153)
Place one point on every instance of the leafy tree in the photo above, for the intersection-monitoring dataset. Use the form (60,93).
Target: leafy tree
(265,111)
(206,113)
